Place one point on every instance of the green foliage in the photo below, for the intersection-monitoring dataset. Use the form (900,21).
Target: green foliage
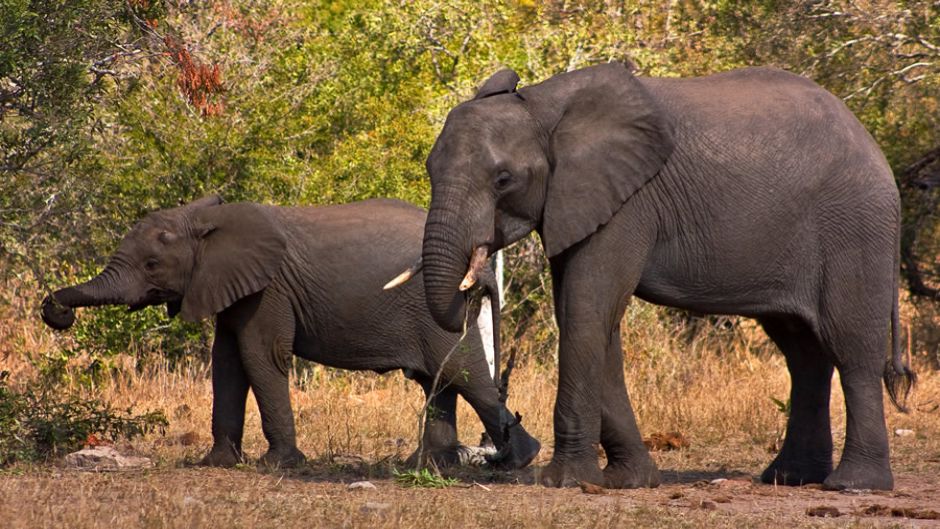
(333,100)
(37,423)
(424,479)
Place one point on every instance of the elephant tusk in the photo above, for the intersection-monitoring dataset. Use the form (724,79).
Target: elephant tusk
(477,261)
(403,277)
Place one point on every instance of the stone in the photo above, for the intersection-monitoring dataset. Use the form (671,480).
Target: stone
(361,485)
(102,458)
(474,456)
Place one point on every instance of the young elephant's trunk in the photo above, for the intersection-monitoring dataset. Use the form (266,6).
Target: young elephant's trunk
(107,288)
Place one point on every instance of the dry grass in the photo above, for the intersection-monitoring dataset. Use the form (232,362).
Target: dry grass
(715,389)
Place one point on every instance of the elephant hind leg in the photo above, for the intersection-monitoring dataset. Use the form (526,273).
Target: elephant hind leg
(439,443)
(806,455)
(865,462)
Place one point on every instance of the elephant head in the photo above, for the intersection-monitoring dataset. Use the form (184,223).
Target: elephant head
(198,259)
(560,157)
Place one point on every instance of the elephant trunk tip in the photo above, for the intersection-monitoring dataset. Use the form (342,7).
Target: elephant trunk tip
(56,315)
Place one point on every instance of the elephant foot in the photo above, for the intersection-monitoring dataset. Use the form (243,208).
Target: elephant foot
(632,475)
(282,458)
(438,457)
(522,450)
(571,473)
(873,476)
(796,472)
(222,456)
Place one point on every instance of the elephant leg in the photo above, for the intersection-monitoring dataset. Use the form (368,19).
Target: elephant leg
(865,460)
(806,455)
(266,349)
(583,337)
(439,442)
(629,464)
(856,329)
(229,391)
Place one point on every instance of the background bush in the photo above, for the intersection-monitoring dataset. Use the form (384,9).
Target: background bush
(110,109)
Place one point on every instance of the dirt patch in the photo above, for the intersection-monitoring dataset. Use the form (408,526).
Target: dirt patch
(319,496)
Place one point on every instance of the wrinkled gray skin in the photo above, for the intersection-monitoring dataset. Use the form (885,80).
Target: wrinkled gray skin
(307,281)
(752,192)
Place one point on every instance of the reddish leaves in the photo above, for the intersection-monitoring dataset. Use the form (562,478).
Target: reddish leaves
(666,441)
(199,82)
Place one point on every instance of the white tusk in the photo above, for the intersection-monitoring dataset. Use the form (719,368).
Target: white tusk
(477,261)
(403,277)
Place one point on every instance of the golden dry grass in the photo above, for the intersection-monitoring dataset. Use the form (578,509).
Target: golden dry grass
(715,389)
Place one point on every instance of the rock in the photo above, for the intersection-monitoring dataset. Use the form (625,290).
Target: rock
(105,458)
(903,432)
(474,456)
(718,481)
(361,485)
(824,511)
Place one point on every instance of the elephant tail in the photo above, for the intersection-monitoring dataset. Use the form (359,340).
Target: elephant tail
(898,376)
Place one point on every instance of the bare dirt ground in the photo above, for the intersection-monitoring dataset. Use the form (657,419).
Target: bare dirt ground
(318,497)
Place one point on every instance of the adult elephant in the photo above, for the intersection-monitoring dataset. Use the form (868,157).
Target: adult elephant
(751,192)
(307,281)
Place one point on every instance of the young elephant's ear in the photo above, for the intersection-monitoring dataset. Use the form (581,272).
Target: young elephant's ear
(501,82)
(205,202)
(240,250)
(610,139)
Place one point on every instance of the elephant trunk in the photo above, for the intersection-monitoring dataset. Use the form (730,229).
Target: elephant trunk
(107,288)
(446,256)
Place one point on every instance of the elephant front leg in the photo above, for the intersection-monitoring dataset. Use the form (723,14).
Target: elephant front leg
(629,464)
(229,392)
(577,418)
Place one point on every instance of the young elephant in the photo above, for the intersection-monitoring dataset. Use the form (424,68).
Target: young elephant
(302,280)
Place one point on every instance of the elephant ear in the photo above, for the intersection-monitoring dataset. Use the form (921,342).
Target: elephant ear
(241,248)
(501,82)
(611,139)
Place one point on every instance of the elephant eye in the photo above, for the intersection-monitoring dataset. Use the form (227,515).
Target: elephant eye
(151,264)
(503,179)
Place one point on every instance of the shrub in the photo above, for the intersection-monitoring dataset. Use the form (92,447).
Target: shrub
(38,423)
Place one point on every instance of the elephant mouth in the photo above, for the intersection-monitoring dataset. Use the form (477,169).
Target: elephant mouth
(153,297)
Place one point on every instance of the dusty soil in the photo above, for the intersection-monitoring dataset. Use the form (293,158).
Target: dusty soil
(317,496)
